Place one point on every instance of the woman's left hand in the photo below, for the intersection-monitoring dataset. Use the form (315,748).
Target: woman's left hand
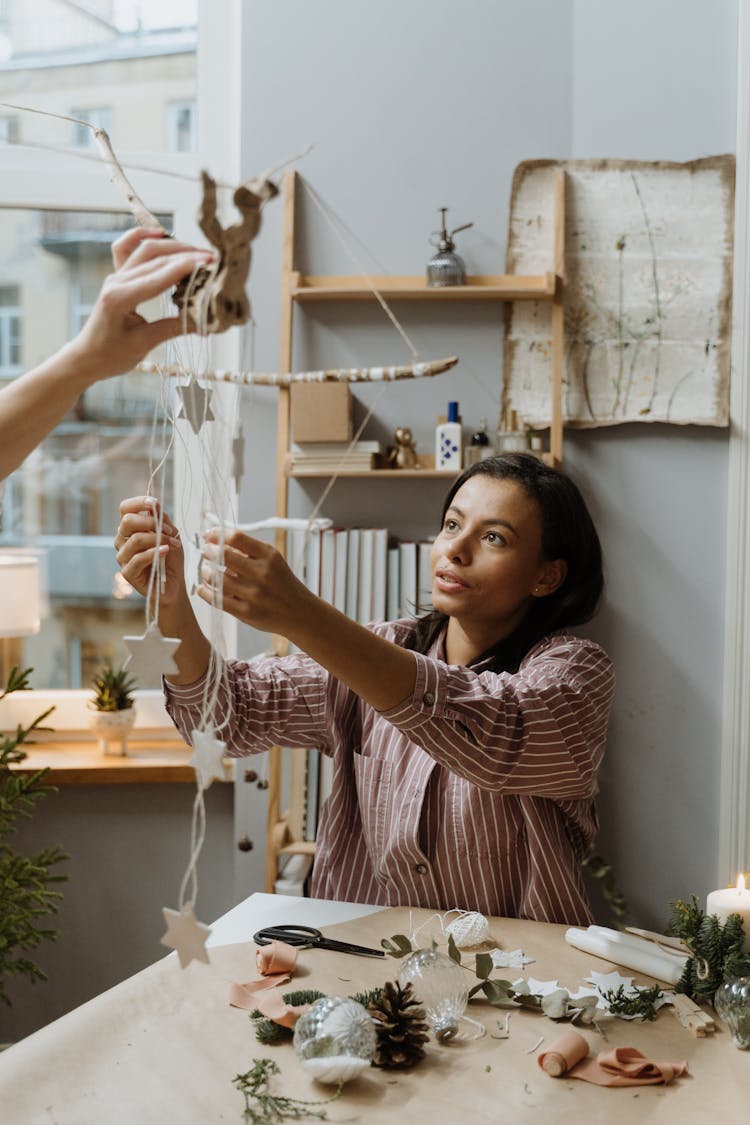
(251,581)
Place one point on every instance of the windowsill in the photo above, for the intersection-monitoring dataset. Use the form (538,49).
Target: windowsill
(149,762)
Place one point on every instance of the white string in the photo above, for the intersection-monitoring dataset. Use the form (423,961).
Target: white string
(360,269)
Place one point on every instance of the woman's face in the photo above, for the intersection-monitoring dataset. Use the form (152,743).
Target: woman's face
(487,561)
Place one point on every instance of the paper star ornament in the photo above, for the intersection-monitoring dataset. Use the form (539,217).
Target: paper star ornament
(607,982)
(196,404)
(186,935)
(208,757)
(151,654)
(510,959)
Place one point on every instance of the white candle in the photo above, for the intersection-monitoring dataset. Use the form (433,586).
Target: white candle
(732,900)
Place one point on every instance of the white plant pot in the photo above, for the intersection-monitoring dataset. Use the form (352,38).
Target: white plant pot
(112,729)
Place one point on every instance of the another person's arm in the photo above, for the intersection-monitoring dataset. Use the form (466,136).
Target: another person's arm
(113,340)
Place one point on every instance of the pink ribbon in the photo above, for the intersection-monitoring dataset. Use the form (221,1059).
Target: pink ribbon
(621,1066)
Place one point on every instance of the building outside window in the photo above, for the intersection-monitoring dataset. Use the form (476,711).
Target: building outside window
(181,127)
(9,129)
(100,116)
(10,331)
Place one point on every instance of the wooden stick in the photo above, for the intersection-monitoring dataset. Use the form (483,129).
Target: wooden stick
(286,379)
(660,939)
(698,1022)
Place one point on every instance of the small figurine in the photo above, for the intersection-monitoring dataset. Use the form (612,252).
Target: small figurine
(403,455)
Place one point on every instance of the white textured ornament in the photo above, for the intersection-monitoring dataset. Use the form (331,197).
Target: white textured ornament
(151,654)
(469,929)
(196,404)
(186,935)
(335,1040)
(208,757)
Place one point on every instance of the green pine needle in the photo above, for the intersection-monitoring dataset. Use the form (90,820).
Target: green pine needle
(264,1108)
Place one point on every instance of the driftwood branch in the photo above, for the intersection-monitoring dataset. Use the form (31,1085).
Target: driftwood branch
(334,375)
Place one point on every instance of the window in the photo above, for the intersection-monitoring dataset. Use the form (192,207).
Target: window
(101,117)
(181,131)
(10,331)
(9,129)
(64,499)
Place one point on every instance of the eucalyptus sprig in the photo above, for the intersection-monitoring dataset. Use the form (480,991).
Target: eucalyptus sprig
(558,1005)
(264,1108)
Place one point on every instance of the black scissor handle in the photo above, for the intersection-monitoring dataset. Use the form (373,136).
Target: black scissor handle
(291,934)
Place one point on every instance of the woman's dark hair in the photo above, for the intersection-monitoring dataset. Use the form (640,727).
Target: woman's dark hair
(568,533)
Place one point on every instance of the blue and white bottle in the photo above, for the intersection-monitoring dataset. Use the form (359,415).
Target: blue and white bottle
(448,441)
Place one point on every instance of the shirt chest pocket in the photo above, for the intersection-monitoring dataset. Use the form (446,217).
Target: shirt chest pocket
(373,779)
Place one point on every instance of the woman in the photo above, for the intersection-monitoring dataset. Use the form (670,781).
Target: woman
(466,745)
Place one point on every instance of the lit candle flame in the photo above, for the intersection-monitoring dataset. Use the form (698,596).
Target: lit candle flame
(740,883)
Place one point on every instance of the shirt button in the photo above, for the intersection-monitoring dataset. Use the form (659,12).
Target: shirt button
(429,698)
(421,869)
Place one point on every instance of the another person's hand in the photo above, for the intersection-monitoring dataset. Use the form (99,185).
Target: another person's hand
(257,586)
(116,337)
(142,525)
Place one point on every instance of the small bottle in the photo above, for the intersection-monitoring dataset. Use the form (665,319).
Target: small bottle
(511,437)
(448,441)
(479,447)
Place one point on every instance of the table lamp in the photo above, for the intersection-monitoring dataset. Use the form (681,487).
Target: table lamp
(20,605)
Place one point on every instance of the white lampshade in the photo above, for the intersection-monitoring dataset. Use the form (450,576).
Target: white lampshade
(19,595)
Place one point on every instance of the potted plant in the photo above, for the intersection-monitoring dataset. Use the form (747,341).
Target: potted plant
(114,708)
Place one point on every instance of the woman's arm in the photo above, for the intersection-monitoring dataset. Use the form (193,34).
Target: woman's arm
(113,340)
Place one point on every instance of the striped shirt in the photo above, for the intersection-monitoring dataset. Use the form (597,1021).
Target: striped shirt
(477,792)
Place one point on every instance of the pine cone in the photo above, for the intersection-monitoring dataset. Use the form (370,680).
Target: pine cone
(401,1027)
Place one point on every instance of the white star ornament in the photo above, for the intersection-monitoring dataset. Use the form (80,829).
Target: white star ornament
(186,935)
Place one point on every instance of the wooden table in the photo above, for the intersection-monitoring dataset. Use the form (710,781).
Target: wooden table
(165,1045)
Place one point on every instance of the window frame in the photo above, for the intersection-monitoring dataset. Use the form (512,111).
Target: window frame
(36,180)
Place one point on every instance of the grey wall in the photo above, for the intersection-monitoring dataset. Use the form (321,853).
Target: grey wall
(430,103)
(128,847)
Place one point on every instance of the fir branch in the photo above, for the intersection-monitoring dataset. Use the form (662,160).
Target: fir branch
(26,881)
(264,1108)
(640,1003)
(270,1033)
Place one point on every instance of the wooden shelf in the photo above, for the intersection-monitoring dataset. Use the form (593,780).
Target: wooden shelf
(489,287)
(82,763)
(300,289)
(298,847)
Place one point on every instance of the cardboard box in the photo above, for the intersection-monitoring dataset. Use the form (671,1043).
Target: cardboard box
(321,412)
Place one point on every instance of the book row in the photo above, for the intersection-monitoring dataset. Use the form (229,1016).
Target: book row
(363,571)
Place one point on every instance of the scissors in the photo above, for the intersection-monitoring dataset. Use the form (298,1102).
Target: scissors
(306,937)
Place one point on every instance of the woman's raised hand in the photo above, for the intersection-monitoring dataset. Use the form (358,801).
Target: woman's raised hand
(145,536)
(251,581)
(116,337)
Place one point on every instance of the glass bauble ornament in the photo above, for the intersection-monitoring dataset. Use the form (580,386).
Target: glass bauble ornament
(442,987)
(335,1041)
(732,1002)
